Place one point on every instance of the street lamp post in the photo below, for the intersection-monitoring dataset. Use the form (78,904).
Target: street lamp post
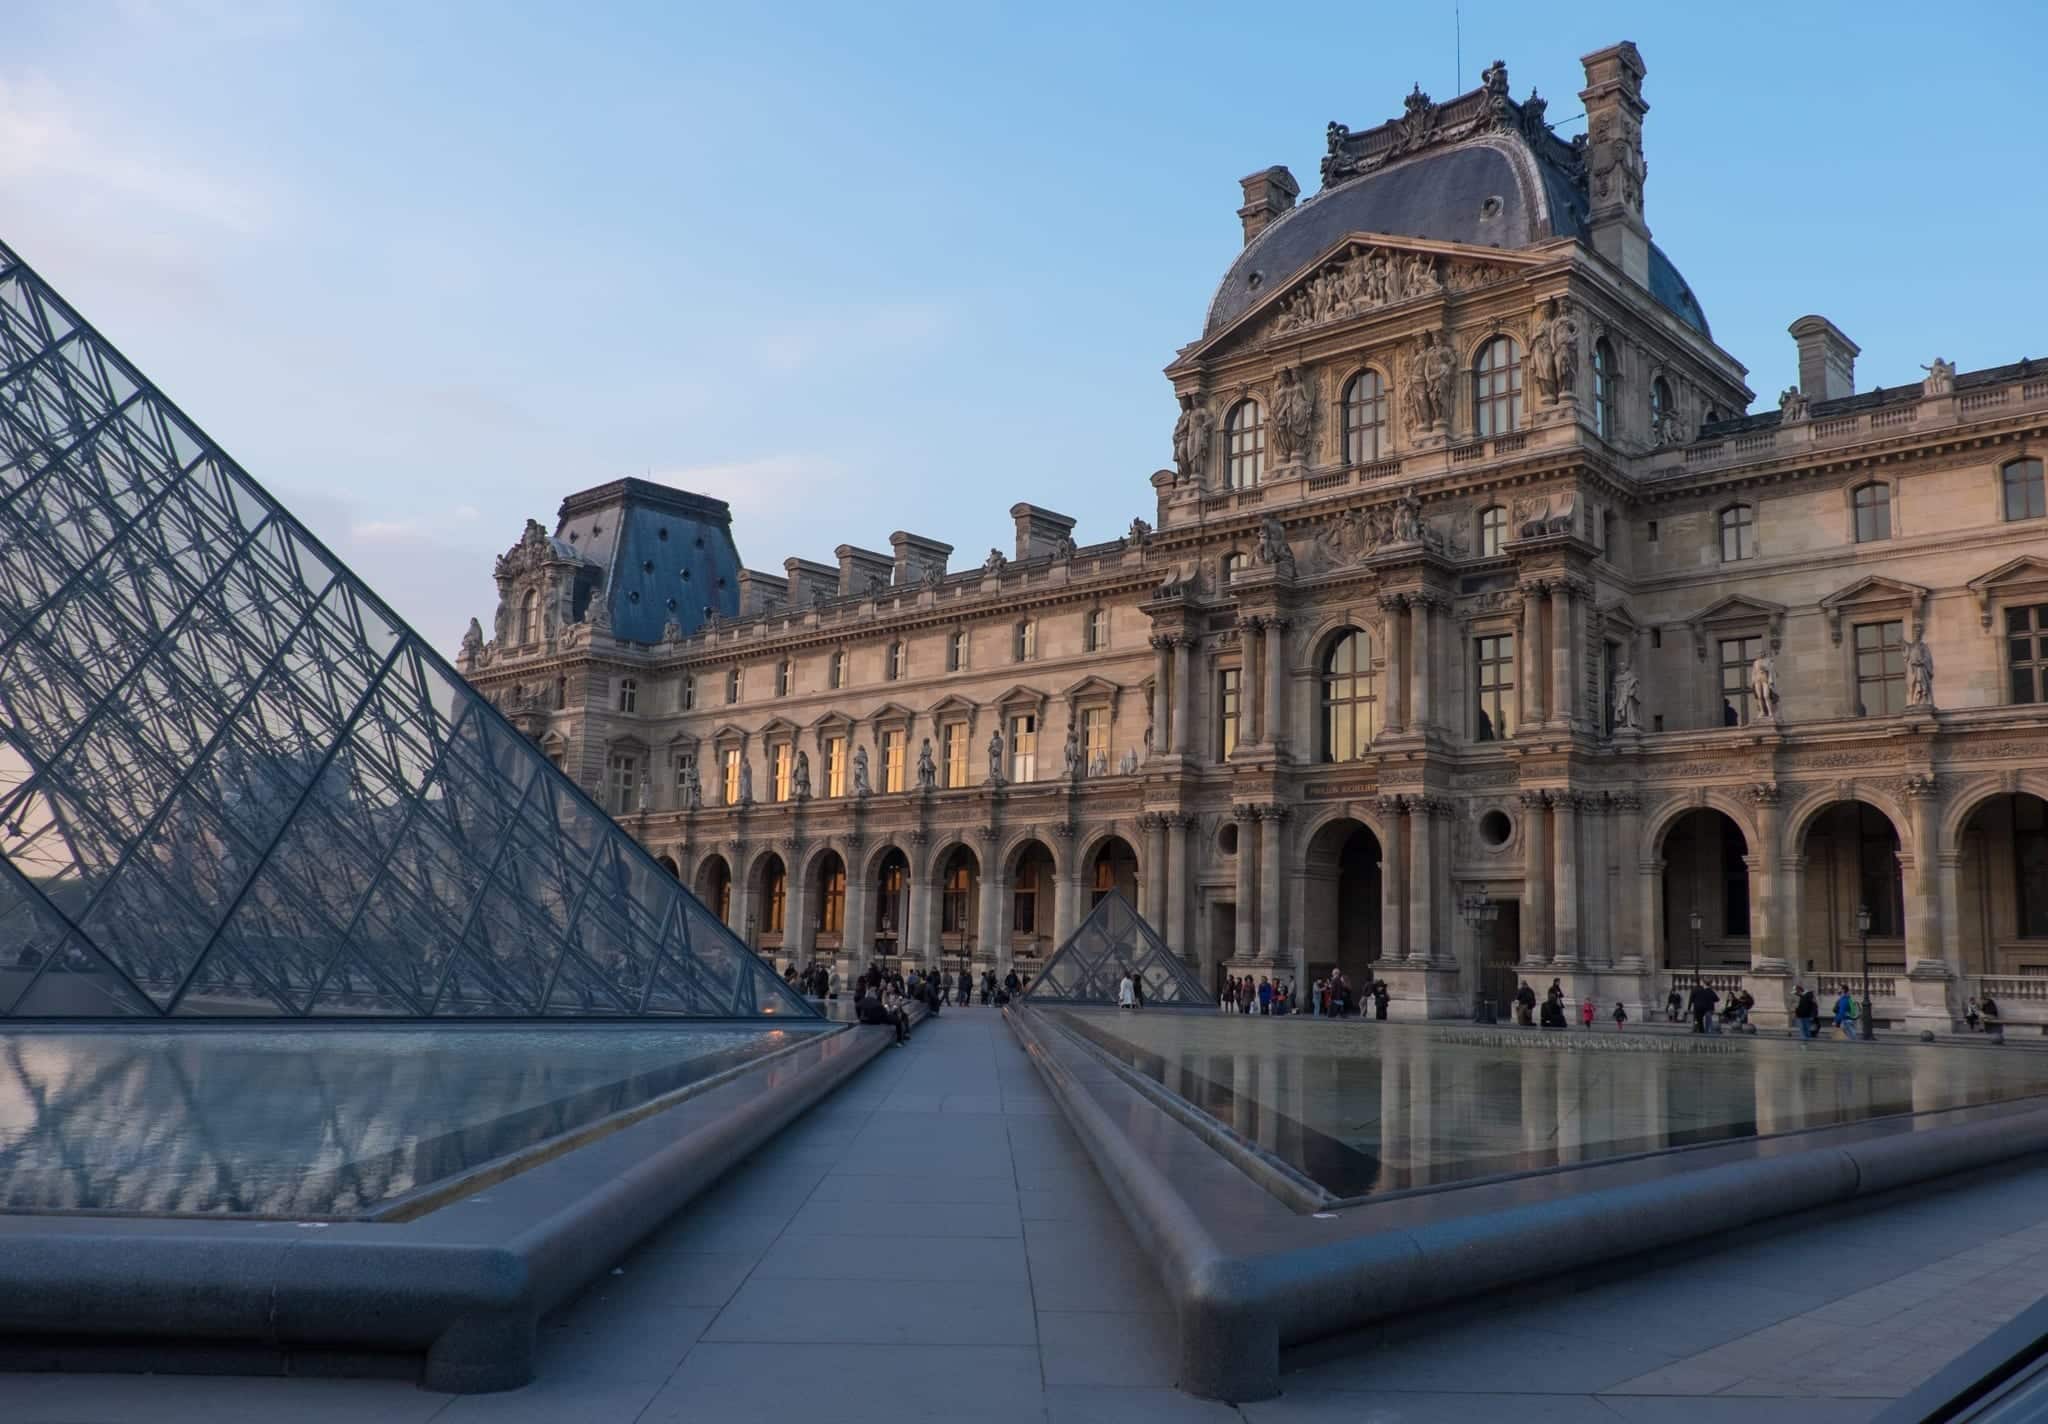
(1479,911)
(1863,931)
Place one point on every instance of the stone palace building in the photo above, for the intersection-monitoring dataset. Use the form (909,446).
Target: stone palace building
(1477,632)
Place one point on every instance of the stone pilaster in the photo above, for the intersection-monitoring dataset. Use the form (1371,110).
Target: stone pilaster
(1162,690)
(1274,729)
(1535,878)
(1564,809)
(1533,671)
(1272,849)
(1183,681)
(1243,945)
(1394,880)
(1422,609)
(1933,952)
(1394,705)
(1176,886)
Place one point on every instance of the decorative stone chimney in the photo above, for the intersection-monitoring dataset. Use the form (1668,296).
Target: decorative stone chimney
(806,577)
(1267,194)
(1827,359)
(859,567)
(915,554)
(1039,531)
(1614,158)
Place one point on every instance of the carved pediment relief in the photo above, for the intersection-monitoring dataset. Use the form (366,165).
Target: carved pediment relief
(2025,575)
(1872,592)
(1365,276)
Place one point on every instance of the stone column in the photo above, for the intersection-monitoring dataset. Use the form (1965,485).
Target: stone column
(1631,947)
(1769,951)
(1183,678)
(1532,654)
(1243,945)
(857,939)
(1564,649)
(1422,814)
(1535,877)
(1650,897)
(1565,807)
(796,920)
(1395,704)
(1250,705)
(1162,690)
(1152,875)
(1597,938)
(1272,836)
(1067,913)
(913,937)
(1422,621)
(1275,727)
(1175,883)
(742,901)
(1925,956)
(1394,879)
(993,944)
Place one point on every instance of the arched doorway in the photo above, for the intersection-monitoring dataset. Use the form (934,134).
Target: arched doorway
(1706,874)
(1850,862)
(889,922)
(959,907)
(668,863)
(828,901)
(1032,890)
(1341,926)
(714,887)
(2000,917)
(768,912)
(1114,866)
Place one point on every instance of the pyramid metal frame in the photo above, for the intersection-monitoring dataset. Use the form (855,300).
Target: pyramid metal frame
(233,782)
(1085,969)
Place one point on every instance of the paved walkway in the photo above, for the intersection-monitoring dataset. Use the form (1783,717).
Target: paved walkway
(932,1242)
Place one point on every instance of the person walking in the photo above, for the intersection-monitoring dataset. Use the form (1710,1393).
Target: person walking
(1587,1010)
(1265,995)
(1380,996)
(1845,1011)
(1672,1003)
(1525,1005)
(1987,1007)
(1620,1016)
(1123,993)
(1701,1006)
(1806,1011)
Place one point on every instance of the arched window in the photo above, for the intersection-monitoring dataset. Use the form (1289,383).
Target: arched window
(1350,702)
(1738,533)
(1246,429)
(1606,388)
(629,694)
(785,675)
(2025,498)
(1873,506)
(956,650)
(1365,418)
(1493,530)
(1497,387)
(838,671)
(732,685)
(892,666)
(529,617)
(1660,410)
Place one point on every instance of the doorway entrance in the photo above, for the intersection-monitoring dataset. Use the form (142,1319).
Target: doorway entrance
(1500,945)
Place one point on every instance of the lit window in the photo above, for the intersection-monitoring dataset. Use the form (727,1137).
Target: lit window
(835,766)
(777,886)
(1350,703)
(1738,533)
(1095,632)
(1024,641)
(1024,747)
(629,694)
(2025,498)
(956,650)
(892,761)
(1873,505)
(1606,388)
(781,771)
(1493,530)
(1737,708)
(1365,418)
(1880,668)
(1229,689)
(954,896)
(1497,387)
(953,743)
(832,904)
(732,776)
(1494,666)
(625,784)
(1095,737)
(1246,432)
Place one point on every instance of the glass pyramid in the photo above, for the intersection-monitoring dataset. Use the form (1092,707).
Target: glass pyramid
(1115,940)
(232,782)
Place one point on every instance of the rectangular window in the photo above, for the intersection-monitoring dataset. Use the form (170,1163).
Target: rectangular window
(835,766)
(1873,506)
(629,694)
(2026,495)
(953,754)
(1024,641)
(783,757)
(1656,637)
(1494,659)
(1736,656)
(1024,900)
(625,784)
(1880,669)
(1878,880)
(686,698)
(1610,655)
(732,685)
(956,651)
(1095,633)
(1024,747)
(892,761)
(832,903)
(1095,739)
(730,781)
(2026,652)
(686,763)
(1652,531)
(1229,689)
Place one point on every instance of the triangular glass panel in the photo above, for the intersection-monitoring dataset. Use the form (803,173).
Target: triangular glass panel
(1114,941)
(231,782)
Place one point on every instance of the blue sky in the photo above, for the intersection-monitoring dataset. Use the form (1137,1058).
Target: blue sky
(426,268)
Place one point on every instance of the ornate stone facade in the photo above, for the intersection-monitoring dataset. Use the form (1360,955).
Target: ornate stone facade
(1470,584)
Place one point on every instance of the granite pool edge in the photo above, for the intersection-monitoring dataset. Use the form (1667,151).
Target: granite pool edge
(465,1285)
(1235,1310)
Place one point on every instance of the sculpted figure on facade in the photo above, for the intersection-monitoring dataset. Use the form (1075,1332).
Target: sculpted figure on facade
(1368,279)
(861,785)
(472,640)
(1294,408)
(995,563)
(1628,699)
(1273,550)
(1763,686)
(933,575)
(1791,405)
(693,790)
(927,769)
(1941,378)
(672,631)
(1191,438)
(1554,353)
(1063,549)
(1128,765)
(995,757)
(1407,520)
(1919,673)
(1442,370)
(1072,753)
(1138,533)
(746,782)
(803,776)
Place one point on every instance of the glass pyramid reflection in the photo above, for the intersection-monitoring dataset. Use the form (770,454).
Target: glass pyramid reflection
(1112,941)
(232,782)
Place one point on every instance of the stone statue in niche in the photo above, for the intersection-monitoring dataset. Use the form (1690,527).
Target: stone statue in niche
(1554,353)
(995,563)
(861,785)
(1919,673)
(1941,378)
(927,769)
(1273,550)
(693,790)
(803,776)
(1791,405)
(472,639)
(1190,438)
(672,631)
(1628,699)
(1072,753)
(1763,687)
(1294,412)
(995,757)
(746,782)
(1407,520)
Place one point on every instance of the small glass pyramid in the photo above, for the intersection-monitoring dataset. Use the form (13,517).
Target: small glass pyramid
(1115,940)
(233,783)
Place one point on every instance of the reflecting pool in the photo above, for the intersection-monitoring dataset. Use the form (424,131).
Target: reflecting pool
(1363,1108)
(318,1122)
